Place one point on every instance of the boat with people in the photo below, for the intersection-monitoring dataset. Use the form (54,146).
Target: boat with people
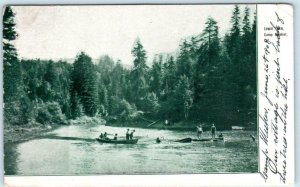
(122,141)
(103,138)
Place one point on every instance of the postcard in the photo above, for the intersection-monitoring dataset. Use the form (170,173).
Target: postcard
(148,95)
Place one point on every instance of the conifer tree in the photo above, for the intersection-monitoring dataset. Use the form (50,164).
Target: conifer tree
(138,75)
(16,102)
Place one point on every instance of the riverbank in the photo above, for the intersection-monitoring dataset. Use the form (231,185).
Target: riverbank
(15,134)
(24,133)
(160,125)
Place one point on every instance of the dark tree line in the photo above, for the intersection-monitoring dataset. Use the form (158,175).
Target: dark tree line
(211,79)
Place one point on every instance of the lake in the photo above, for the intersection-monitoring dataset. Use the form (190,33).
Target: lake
(82,155)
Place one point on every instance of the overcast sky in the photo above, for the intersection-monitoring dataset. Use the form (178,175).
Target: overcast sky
(54,32)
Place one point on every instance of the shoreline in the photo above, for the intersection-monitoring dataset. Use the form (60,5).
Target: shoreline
(21,134)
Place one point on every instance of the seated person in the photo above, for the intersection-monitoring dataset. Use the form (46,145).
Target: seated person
(220,135)
(101,135)
(105,136)
(116,137)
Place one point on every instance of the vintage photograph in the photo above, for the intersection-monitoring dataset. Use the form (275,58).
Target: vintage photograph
(130,89)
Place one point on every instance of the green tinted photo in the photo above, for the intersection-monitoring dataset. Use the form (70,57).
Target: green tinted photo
(130,89)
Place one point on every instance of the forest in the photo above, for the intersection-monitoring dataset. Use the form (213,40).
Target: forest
(210,79)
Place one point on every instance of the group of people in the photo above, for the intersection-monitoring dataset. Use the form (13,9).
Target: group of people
(129,135)
(213,130)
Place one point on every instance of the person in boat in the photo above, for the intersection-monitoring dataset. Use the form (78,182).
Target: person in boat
(220,135)
(127,134)
(105,135)
(199,131)
(101,136)
(213,131)
(158,140)
(131,134)
(116,137)
(252,137)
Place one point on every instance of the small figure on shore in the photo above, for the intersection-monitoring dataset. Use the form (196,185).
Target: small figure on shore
(116,136)
(213,131)
(252,137)
(131,134)
(199,131)
(101,135)
(127,134)
(166,122)
(220,135)
(158,140)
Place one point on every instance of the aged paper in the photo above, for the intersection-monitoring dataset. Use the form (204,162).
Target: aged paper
(149,95)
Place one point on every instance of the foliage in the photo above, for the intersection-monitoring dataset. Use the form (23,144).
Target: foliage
(212,79)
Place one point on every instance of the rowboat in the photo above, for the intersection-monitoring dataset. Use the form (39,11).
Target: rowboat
(185,140)
(133,141)
(208,139)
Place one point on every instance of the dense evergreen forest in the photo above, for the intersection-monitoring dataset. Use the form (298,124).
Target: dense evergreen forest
(211,79)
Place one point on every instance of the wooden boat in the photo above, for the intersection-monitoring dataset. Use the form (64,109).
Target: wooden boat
(133,141)
(208,139)
(185,140)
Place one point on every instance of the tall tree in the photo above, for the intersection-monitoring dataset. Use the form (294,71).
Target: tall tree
(184,61)
(233,39)
(84,85)
(208,58)
(138,75)
(16,105)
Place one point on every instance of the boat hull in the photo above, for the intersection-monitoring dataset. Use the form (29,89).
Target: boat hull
(185,140)
(208,139)
(133,141)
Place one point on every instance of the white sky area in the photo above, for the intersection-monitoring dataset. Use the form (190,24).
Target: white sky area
(58,32)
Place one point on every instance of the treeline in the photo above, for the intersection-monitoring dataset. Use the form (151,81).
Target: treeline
(211,79)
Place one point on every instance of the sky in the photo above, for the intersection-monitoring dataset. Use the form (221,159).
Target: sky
(61,32)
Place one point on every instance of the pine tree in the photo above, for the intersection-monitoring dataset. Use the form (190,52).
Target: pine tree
(15,100)
(84,85)
(233,39)
(208,58)
(138,75)
(184,63)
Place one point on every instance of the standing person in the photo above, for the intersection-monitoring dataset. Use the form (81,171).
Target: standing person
(127,134)
(131,134)
(213,131)
(199,131)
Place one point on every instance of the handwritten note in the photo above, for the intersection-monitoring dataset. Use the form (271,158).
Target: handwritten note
(274,94)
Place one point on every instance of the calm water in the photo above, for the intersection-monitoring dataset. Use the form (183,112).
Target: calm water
(85,156)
